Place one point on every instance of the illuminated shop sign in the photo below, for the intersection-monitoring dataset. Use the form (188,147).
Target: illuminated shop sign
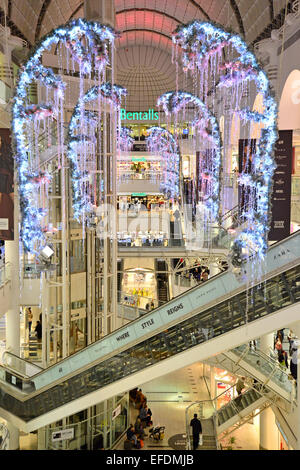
(151,115)
(138,159)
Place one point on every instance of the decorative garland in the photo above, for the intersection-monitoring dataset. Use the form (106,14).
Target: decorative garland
(81,200)
(207,126)
(126,141)
(95,54)
(161,141)
(202,44)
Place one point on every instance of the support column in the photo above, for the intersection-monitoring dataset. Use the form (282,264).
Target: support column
(268,432)
(13,314)
(213,269)
(266,342)
(265,423)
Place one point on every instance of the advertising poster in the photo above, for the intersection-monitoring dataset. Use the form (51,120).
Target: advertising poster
(281,197)
(247,149)
(6,186)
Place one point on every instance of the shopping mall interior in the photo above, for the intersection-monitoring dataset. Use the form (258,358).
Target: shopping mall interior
(149,224)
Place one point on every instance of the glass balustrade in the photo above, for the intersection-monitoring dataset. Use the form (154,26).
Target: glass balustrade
(279,291)
(94,433)
(4,437)
(212,417)
(266,366)
(5,273)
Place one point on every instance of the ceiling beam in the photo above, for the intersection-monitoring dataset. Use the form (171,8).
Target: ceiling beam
(193,2)
(237,13)
(148,31)
(9,8)
(200,9)
(77,10)
(41,17)
(271,10)
(151,11)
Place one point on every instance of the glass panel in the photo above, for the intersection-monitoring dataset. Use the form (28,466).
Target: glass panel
(196,330)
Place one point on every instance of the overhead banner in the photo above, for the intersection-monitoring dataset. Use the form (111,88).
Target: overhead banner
(6,186)
(247,150)
(282,181)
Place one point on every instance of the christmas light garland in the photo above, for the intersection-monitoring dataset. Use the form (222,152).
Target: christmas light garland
(206,124)
(161,141)
(93,54)
(82,205)
(202,48)
(126,141)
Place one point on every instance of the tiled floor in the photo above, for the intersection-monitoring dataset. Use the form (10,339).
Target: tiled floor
(169,396)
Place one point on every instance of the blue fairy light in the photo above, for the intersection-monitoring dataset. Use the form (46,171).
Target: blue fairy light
(198,42)
(98,36)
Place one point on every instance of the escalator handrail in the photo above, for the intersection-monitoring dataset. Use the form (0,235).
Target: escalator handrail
(18,374)
(266,358)
(144,318)
(214,415)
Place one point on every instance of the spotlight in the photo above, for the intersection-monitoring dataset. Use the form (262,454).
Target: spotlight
(46,254)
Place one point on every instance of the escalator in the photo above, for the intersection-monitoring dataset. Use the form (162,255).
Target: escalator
(191,327)
(244,360)
(161,270)
(217,422)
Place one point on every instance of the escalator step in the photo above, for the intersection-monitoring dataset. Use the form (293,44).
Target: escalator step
(244,402)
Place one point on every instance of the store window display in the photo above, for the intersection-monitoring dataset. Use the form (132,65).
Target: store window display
(139,288)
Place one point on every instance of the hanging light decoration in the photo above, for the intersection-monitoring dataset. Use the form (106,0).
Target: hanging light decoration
(82,144)
(162,142)
(206,126)
(87,45)
(223,69)
(126,141)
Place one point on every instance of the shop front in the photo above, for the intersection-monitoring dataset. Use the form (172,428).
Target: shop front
(139,288)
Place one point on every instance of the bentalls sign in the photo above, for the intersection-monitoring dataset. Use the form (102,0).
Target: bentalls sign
(151,115)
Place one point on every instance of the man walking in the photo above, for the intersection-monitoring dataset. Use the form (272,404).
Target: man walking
(197,430)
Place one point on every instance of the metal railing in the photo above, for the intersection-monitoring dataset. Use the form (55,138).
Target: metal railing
(140,352)
(5,274)
(267,366)
(205,409)
(4,437)
(85,431)
(208,410)
(20,366)
(131,175)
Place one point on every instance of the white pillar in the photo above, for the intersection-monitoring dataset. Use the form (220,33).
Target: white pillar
(266,342)
(265,418)
(13,314)
(213,269)
(268,432)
